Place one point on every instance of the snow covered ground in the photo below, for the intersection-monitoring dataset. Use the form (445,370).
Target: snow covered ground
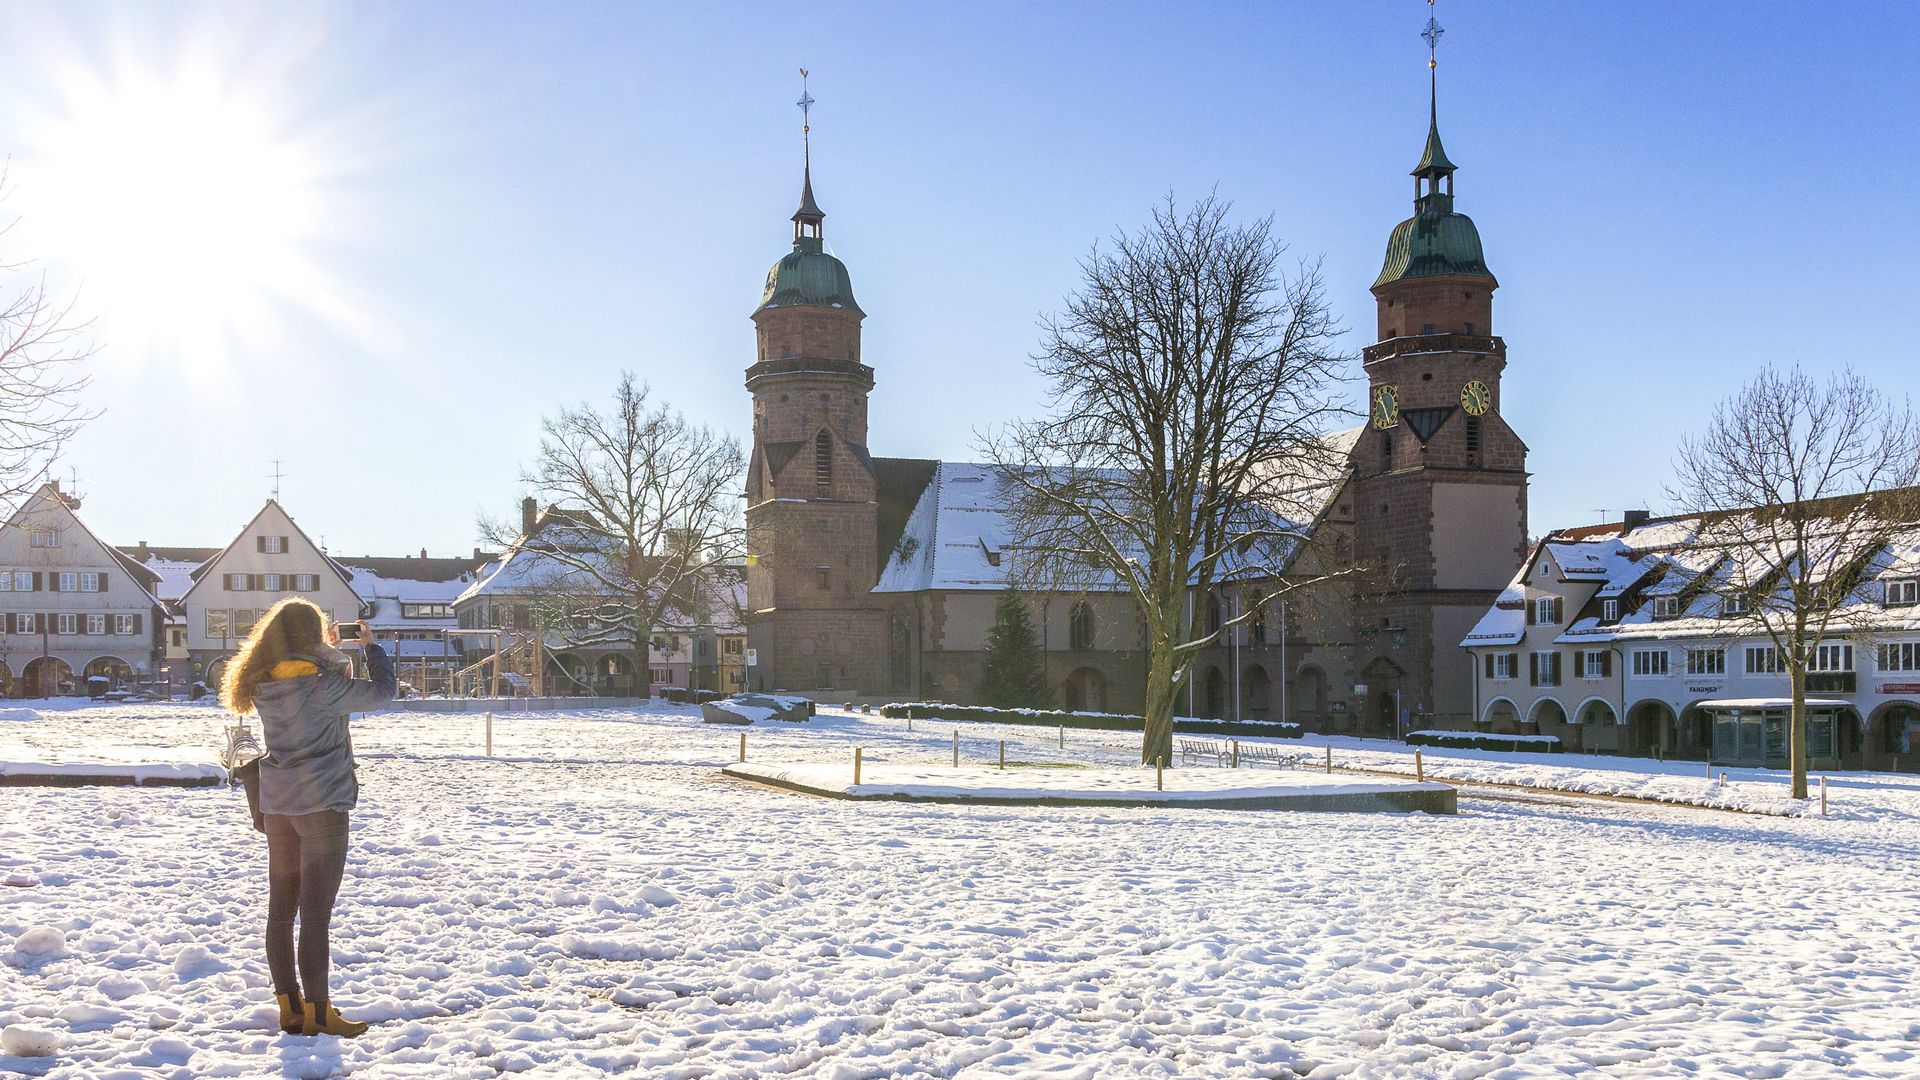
(598,899)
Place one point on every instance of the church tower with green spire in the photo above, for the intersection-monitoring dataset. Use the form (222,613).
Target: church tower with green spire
(1440,480)
(811,490)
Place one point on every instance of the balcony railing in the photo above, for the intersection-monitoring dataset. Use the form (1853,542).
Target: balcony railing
(1435,343)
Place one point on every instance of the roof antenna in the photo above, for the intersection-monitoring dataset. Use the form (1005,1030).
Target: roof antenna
(276,476)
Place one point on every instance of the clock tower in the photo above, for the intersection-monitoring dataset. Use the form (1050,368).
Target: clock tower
(1440,479)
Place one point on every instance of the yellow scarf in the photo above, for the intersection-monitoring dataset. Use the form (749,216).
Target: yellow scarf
(292,669)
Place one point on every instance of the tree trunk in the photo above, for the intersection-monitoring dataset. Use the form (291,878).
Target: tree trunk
(1157,742)
(1797,730)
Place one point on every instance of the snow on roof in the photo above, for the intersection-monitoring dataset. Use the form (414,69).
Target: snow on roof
(174,576)
(958,536)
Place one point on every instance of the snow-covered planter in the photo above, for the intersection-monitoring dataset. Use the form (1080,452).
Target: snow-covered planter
(1090,721)
(1486,740)
(752,708)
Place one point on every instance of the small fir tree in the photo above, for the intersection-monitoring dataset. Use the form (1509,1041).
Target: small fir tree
(1015,674)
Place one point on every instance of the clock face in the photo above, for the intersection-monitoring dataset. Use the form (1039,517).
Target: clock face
(1386,406)
(1476,398)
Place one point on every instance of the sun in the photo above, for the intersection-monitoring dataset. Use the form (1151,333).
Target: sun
(189,211)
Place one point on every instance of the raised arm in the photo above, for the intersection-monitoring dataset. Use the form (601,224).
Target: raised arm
(365,695)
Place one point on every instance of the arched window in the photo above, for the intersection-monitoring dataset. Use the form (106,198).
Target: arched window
(1080,626)
(822,462)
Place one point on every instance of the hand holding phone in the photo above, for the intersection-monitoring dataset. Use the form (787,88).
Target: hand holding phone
(351,633)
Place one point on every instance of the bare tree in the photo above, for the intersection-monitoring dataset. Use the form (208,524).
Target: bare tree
(646,516)
(41,349)
(1801,484)
(1191,383)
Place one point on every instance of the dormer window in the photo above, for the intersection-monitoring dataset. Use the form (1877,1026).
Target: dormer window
(1734,604)
(1546,610)
(1610,610)
(1903,592)
(1666,607)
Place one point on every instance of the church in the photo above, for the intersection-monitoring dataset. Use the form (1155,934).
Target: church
(877,577)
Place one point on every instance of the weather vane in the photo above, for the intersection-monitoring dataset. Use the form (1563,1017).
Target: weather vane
(806,105)
(1431,35)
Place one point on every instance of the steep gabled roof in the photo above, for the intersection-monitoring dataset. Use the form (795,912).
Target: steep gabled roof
(200,575)
(49,493)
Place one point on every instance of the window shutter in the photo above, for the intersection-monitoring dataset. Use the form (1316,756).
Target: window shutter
(253,582)
(136,622)
(36,581)
(53,581)
(283,544)
(103,581)
(1606,662)
(1533,669)
(1489,665)
(1532,610)
(260,543)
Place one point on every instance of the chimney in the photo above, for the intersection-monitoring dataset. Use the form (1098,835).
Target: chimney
(1633,519)
(144,555)
(529,513)
(423,554)
(476,556)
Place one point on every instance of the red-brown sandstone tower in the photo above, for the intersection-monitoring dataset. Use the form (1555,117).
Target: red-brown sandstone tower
(1440,480)
(811,506)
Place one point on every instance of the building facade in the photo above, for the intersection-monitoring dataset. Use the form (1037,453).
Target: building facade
(75,613)
(1639,638)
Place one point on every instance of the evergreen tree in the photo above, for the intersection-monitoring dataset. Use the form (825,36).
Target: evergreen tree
(1015,673)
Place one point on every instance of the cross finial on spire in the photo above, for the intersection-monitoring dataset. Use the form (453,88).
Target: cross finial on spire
(806,220)
(1431,35)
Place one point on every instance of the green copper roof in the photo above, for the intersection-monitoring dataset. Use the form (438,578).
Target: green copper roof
(808,277)
(1434,161)
(1434,241)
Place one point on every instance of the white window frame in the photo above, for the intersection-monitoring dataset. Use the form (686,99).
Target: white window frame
(1901,592)
(1540,667)
(219,623)
(1610,609)
(1667,607)
(97,625)
(271,545)
(1546,610)
(44,538)
(306,582)
(69,581)
(90,581)
(1706,660)
(1827,654)
(23,622)
(66,623)
(1593,663)
(1769,660)
(270,582)
(1899,656)
(123,624)
(1733,605)
(23,581)
(1503,665)
(1651,663)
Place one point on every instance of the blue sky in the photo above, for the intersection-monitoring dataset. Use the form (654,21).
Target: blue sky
(490,210)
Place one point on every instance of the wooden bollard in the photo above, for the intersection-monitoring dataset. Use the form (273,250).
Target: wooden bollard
(909,722)
(1709,770)
(1823,796)
(956,748)
(856,766)
(1063,736)
(1419,768)
(1159,774)
(1329,758)
(1003,754)
(1236,754)
(743,746)
(489,732)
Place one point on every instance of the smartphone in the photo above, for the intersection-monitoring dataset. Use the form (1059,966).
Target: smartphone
(349,631)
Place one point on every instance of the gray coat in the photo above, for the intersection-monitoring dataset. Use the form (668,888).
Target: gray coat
(309,763)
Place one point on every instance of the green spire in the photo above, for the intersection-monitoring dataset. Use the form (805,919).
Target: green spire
(1433,162)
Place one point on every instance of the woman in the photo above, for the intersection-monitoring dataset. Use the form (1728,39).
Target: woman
(291,672)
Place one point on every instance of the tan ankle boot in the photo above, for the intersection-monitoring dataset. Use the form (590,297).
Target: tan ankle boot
(293,1015)
(326,1020)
